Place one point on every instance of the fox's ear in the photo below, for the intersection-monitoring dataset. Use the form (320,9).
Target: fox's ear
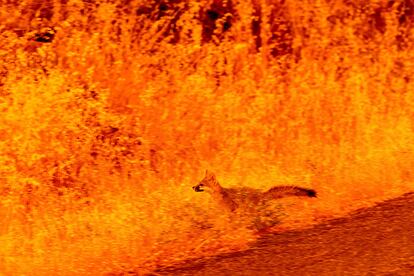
(210,174)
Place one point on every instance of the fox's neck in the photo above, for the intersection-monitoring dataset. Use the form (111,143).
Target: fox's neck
(223,196)
(215,186)
(217,190)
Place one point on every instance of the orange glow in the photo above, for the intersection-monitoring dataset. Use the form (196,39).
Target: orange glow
(112,110)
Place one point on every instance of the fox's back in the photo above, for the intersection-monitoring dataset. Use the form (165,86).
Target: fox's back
(245,195)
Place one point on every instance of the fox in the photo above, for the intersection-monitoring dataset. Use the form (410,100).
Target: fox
(234,198)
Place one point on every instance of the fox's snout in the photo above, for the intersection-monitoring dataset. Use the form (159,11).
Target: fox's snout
(198,188)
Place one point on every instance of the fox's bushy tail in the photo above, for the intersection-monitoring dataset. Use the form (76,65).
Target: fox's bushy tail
(287,191)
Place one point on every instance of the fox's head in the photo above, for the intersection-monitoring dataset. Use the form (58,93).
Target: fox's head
(209,181)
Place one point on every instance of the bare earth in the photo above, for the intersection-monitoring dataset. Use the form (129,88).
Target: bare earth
(371,241)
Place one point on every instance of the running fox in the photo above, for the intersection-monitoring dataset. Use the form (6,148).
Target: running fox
(232,199)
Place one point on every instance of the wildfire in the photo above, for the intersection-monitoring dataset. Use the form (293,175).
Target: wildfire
(112,110)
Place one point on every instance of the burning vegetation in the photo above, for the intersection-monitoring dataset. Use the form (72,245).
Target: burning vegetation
(111,111)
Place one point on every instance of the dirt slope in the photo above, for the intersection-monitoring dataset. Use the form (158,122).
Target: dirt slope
(371,241)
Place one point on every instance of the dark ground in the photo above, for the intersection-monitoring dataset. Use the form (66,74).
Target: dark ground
(371,241)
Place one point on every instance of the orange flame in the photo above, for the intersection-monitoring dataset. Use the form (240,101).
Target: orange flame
(112,110)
